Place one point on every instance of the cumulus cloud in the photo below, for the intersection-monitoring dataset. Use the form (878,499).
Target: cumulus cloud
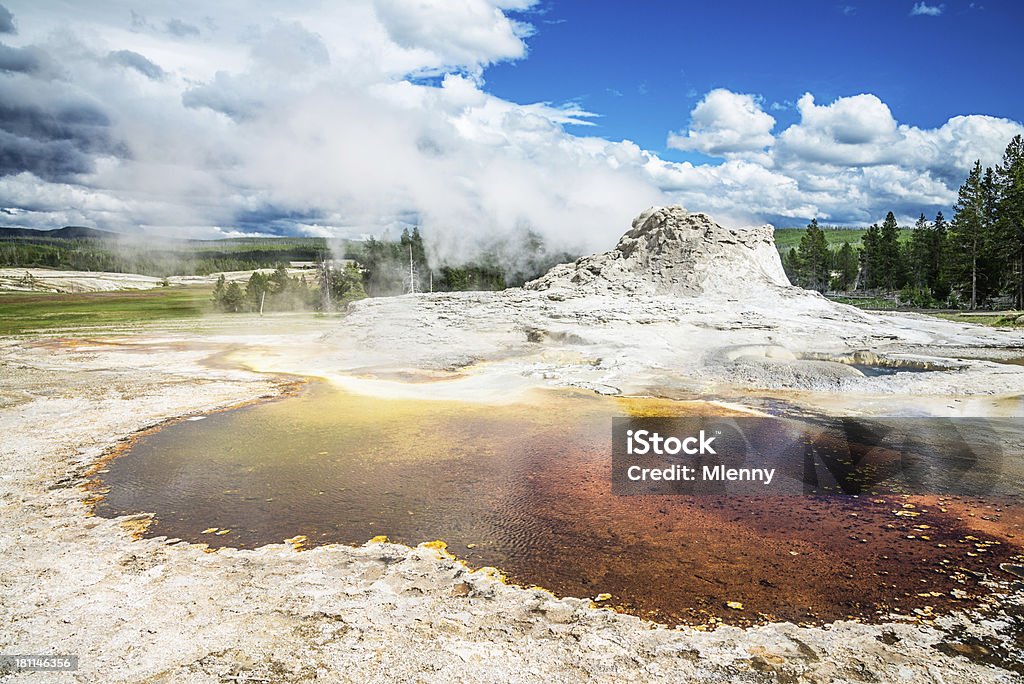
(849,120)
(55,204)
(860,131)
(923,9)
(955,145)
(724,123)
(848,161)
(50,132)
(473,33)
(852,131)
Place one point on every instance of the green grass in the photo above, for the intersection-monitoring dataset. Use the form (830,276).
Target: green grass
(994,320)
(790,237)
(868,303)
(23,312)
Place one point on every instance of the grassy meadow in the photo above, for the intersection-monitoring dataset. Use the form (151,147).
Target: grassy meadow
(26,312)
(785,238)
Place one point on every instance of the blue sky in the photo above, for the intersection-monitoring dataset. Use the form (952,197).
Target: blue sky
(477,119)
(643,66)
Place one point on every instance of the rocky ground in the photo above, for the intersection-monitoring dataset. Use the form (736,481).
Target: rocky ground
(154,610)
(680,306)
(800,348)
(163,611)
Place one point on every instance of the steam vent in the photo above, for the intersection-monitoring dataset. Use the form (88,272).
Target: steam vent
(669,251)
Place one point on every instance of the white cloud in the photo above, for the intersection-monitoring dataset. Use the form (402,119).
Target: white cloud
(849,120)
(472,33)
(860,131)
(848,161)
(954,146)
(856,130)
(725,123)
(312,124)
(923,9)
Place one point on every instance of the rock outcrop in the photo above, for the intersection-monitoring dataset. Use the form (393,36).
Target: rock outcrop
(670,251)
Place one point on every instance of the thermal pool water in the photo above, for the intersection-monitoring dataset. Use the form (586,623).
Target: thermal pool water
(524,487)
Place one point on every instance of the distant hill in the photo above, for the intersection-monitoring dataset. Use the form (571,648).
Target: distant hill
(65,233)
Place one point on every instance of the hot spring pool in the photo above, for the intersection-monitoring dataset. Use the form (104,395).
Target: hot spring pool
(525,488)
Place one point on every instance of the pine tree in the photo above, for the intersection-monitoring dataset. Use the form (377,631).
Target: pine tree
(991,277)
(234,298)
(412,247)
(354,283)
(967,236)
(926,256)
(936,276)
(255,290)
(1008,195)
(892,276)
(814,258)
(278,281)
(870,258)
(791,264)
(847,266)
(218,292)
(920,253)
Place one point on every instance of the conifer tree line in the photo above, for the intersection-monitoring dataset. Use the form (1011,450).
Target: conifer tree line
(975,259)
(507,261)
(332,289)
